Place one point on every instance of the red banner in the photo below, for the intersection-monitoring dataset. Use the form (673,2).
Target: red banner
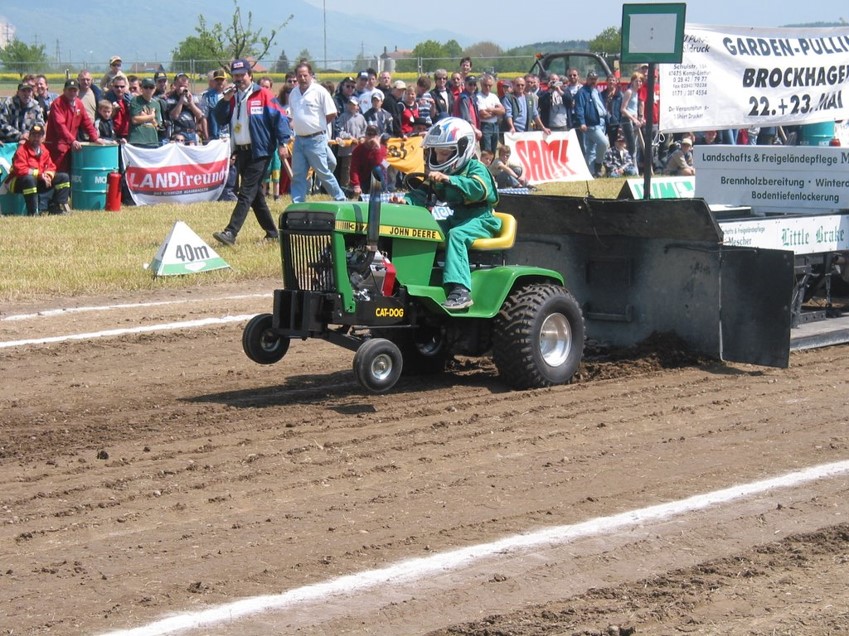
(175,173)
(557,157)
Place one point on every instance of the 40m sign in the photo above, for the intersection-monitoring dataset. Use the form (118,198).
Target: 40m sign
(184,252)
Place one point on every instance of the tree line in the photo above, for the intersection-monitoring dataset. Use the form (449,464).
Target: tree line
(217,44)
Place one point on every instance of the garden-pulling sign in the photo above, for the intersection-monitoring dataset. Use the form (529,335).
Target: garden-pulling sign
(741,77)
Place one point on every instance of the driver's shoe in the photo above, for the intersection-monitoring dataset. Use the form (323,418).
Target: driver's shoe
(459,298)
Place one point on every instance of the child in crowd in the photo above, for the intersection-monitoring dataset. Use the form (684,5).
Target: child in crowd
(507,174)
(103,122)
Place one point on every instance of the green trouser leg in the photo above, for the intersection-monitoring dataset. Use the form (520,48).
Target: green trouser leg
(461,234)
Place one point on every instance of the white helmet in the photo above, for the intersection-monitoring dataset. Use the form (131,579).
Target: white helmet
(453,133)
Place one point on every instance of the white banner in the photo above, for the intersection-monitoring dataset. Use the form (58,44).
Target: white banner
(798,234)
(785,178)
(741,77)
(175,173)
(557,157)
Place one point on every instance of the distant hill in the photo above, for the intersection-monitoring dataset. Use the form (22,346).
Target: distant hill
(89,33)
(93,32)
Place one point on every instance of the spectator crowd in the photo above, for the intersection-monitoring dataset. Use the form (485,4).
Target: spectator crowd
(357,117)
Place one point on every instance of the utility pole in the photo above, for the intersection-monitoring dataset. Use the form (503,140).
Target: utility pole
(324,7)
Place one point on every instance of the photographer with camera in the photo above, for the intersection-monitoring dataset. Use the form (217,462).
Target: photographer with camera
(184,111)
(552,107)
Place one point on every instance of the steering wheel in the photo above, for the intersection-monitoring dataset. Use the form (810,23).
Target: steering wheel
(417,181)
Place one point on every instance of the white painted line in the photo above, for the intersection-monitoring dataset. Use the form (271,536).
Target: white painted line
(438,563)
(74,310)
(111,333)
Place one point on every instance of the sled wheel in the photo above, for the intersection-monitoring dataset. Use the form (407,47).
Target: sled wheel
(260,343)
(538,337)
(377,365)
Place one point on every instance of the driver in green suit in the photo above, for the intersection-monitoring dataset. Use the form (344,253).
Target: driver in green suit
(467,187)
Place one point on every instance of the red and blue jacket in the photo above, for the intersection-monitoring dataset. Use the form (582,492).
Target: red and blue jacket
(267,124)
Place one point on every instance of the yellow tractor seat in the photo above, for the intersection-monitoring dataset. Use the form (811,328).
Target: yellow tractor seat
(505,238)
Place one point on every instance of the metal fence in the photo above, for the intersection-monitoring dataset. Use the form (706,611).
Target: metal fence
(198,68)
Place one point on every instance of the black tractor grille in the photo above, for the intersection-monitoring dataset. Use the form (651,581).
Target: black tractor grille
(308,262)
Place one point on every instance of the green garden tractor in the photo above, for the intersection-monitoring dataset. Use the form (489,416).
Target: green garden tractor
(368,277)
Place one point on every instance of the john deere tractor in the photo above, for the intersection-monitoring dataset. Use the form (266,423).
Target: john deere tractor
(368,277)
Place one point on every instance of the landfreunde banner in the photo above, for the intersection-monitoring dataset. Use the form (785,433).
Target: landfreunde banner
(740,77)
(175,173)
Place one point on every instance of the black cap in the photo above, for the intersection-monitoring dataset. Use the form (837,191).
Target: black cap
(72,83)
(23,86)
(37,128)
(160,75)
(471,79)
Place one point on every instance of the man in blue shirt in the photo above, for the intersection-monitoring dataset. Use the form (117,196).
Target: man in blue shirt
(590,118)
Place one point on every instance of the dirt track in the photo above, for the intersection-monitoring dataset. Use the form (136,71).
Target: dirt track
(147,475)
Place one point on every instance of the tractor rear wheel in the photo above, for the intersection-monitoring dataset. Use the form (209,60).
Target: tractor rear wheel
(260,343)
(377,365)
(538,337)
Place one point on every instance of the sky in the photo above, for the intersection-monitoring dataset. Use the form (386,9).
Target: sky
(556,20)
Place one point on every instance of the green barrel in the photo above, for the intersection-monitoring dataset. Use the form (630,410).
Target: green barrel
(819,134)
(10,204)
(90,168)
(13,204)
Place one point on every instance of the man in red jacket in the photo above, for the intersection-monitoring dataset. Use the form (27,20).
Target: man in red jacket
(67,116)
(33,173)
(367,156)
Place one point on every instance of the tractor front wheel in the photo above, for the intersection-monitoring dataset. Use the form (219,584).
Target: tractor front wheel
(260,343)
(377,365)
(538,337)
(424,349)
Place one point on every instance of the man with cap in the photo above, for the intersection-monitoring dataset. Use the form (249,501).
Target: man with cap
(160,78)
(209,99)
(258,128)
(680,162)
(364,94)
(19,113)
(393,103)
(182,109)
(380,117)
(361,86)
(67,116)
(34,173)
(115,63)
(618,162)
(312,111)
(119,96)
(145,116)
(591,120)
